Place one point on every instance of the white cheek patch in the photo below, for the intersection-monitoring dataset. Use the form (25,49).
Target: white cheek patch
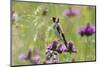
(56,19)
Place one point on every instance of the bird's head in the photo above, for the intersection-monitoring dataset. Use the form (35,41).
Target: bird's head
(55,19)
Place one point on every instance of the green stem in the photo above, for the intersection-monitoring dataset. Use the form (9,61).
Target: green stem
(86,49)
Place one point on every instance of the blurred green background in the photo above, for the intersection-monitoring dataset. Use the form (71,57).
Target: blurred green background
(32,29)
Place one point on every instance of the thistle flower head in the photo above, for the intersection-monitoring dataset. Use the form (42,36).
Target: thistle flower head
(49,47)
(61,48)
(36,59)
(72,11)
(71,47)
(54,45)
(87,30)
(81,31)
(22,56)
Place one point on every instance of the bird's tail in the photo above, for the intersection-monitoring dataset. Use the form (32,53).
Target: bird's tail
(64,39)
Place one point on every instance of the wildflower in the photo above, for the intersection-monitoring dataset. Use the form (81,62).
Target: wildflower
(71,47)
(50,51)
(26,57)
(61,48)
(72,11)
(87,30)
(22,56)
(81,31)
(36,59)
(54,45)
(49,47)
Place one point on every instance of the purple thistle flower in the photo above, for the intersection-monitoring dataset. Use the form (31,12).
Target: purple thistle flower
(36,59)
(22,56)
(51,51)
(49,47)
(87,30)
(54,45)
(81,31)
(48,52)
(26,57)
(72,11)
(61,48)
(75,11)
(71,47)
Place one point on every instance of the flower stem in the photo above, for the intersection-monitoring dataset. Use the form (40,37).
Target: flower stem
(86,49)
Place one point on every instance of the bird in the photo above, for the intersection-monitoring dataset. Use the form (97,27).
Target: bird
(58,31)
